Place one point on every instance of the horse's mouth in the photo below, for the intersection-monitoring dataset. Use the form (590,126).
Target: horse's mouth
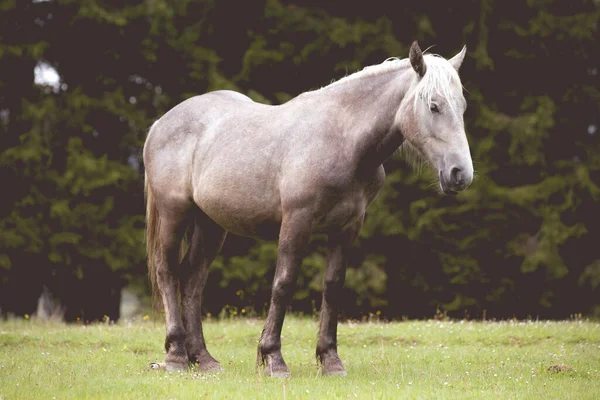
(445,187)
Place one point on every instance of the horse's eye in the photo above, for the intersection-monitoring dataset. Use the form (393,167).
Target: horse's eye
(434,108)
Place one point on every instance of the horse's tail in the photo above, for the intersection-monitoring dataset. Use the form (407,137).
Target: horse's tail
(152,230)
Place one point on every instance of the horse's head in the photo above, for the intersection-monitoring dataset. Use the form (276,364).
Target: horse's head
(431,118)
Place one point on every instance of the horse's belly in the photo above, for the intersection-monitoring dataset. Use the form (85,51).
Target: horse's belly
(243,210)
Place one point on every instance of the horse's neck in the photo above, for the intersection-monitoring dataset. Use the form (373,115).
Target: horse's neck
(370,104)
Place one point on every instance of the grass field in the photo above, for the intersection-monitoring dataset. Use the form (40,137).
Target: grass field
(404,360)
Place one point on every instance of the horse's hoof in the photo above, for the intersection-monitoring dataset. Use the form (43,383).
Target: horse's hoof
(175,367)
(277,374)
(206,363)
(212,368)
(275,367)
(331,365)
(333,372)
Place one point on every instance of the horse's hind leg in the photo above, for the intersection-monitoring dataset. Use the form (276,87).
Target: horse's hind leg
(207,239)
(171,229)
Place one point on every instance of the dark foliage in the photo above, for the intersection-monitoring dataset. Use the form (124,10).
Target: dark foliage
(522,241)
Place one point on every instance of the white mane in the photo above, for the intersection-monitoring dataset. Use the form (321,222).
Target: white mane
(439,78)
(390,64)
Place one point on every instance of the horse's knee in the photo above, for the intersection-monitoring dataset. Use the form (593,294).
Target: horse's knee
(283,286)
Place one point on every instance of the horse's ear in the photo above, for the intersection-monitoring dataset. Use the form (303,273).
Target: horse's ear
(416,59)
(457,60)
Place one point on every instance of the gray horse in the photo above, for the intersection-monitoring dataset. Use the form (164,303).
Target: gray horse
(220,162)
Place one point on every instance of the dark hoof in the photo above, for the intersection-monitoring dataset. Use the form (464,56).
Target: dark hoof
(277,373)
(216,367)
(333,372)
(331,365)
(175,366)
(206,363)
(276,367)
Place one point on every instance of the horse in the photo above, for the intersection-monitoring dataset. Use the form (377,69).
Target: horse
(220,162)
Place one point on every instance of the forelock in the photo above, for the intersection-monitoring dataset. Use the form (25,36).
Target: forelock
(441,79)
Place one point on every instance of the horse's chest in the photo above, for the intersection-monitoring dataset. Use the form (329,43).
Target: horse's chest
(337,208)
(340,215)
(341,206)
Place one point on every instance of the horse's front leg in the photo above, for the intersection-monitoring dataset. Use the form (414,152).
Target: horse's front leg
(293,239)
(338,247)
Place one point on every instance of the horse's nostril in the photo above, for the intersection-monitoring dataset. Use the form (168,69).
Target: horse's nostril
(456,175)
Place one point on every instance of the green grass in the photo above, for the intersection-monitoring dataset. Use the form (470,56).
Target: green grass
(415,359)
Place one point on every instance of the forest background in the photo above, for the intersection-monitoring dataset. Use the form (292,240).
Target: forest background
(82,81)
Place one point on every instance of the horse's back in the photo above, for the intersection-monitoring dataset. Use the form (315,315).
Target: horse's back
(172,140)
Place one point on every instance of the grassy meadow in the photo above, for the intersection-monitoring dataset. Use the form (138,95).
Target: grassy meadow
(399,360)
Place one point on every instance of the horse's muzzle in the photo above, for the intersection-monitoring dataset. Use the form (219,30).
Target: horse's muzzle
(456,182)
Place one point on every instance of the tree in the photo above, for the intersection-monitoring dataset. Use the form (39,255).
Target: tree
(519,242)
